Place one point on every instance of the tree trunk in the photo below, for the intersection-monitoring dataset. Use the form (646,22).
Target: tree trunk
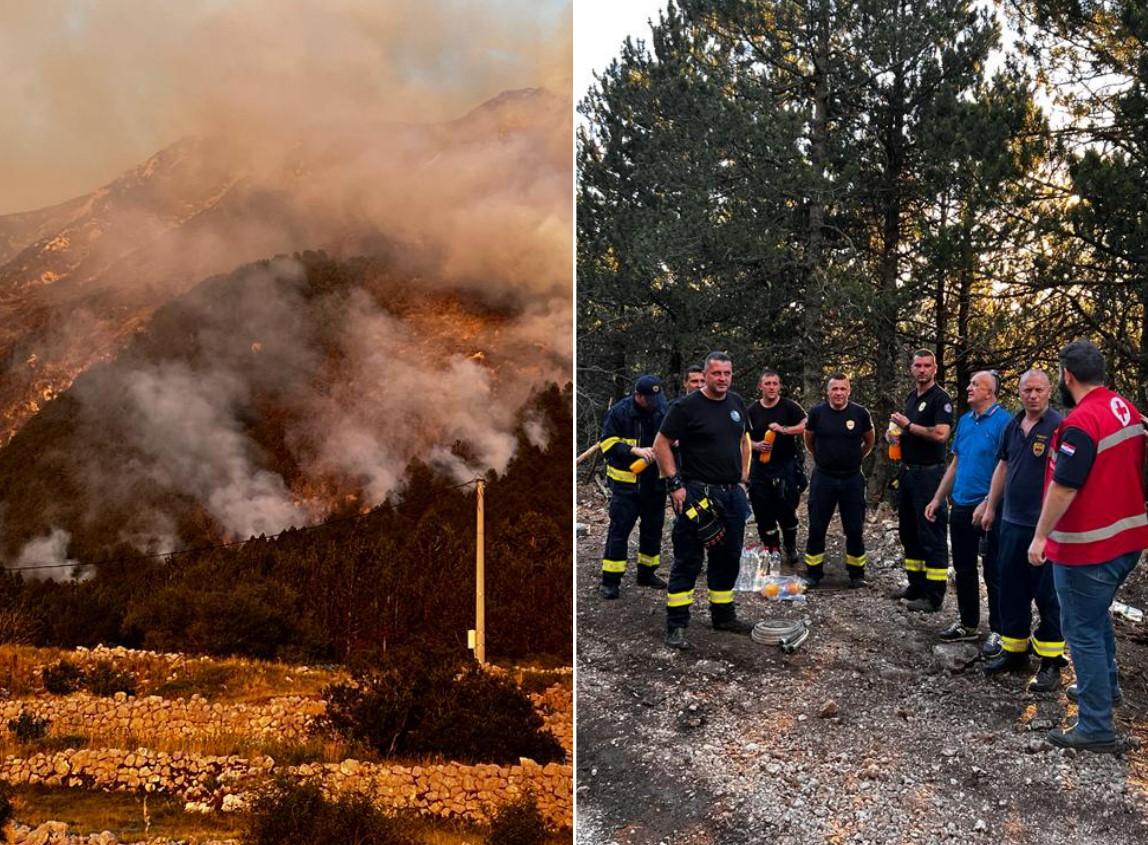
(814,263)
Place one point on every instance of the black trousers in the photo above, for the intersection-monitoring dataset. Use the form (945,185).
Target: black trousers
(645,501)
(966,548)
(1021,584)
(926,550)
(690,555)
(846,495)
(774,502)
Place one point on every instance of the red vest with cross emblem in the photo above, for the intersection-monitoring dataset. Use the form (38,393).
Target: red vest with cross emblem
(1107,517)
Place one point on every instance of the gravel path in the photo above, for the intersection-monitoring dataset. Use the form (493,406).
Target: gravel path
(860,737)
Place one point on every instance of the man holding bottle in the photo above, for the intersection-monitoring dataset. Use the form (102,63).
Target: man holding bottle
(628,433)
(774,481)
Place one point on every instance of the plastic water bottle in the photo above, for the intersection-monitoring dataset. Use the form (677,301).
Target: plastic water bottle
(774,562)
(747,571)
(1127,612)
(762,571)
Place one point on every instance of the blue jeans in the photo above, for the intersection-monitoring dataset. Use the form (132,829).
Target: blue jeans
(1085,593)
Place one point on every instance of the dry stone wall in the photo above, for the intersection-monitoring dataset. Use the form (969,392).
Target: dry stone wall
(151,718)
(209,783)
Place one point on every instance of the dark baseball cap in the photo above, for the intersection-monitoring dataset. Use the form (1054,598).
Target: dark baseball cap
(648,386)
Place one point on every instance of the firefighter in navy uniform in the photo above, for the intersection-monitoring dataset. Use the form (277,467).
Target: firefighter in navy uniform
(774,475)
(708,492)
(925,426)
(839,433)
(637,493)
(1018,482)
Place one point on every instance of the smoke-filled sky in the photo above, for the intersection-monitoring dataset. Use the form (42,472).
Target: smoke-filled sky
(93,88)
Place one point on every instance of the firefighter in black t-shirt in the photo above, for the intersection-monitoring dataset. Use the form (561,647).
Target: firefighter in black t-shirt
(774,476)
(839,433)
(708,492)
(925,426)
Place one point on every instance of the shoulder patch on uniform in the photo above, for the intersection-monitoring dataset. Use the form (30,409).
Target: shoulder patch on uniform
(1068,449)
(1120,410)
(948,407)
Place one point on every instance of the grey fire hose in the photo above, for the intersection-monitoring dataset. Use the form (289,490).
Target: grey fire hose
(787,635)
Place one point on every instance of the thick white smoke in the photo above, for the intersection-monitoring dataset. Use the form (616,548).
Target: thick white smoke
(46,557)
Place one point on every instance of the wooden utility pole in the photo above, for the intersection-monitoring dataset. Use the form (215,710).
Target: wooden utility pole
(479,580)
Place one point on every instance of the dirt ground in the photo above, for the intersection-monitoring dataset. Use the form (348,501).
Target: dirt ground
(859,737)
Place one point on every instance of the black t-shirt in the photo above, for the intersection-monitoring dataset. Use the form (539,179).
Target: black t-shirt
(787,413)
(1076,453)
(838,438)
(933,408)
(709,434)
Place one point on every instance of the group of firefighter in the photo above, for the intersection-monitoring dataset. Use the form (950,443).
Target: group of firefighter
(1052,506)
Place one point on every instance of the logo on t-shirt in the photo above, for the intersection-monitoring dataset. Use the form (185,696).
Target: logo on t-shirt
(948,407)
(850,424)
(1120,409)
(921,407)
(735,416)
(1038,448)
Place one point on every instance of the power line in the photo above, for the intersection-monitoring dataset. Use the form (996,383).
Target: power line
(211,546)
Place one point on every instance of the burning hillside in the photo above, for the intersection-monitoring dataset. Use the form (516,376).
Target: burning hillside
(480,203)
(277,395)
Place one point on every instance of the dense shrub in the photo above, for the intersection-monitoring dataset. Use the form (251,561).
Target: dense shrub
(300,813)
(103,678)
(29,728)
(518,823)
(417,703)
(484,717)
(63,677)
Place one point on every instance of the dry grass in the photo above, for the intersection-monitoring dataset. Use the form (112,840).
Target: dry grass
(123,814)
(227,680)
(291,753)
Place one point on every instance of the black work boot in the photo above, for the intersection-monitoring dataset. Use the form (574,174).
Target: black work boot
(922,605)
(1072,739)
(676,638)
(1006,661)
(609,591)
(733,626)
(1048,676)
(648,577)
(791,557)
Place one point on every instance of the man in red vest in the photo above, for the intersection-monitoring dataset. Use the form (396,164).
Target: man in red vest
(1092,527)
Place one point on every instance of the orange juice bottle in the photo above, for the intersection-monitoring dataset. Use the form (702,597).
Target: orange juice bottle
(894,442)
(765,455)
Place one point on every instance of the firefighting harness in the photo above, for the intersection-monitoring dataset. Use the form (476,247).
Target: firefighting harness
(704,517)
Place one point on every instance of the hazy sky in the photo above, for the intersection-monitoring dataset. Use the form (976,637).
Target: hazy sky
(94,87)
(600,27)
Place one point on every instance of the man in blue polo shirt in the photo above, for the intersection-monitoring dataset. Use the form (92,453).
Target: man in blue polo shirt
(968,477)
(1019,478)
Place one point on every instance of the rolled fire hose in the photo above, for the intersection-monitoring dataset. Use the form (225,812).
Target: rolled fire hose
(786,635)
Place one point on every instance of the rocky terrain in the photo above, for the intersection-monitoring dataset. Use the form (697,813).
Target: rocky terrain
(869,733)
(150,744)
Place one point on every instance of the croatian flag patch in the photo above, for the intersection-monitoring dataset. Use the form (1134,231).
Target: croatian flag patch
(1068,449)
